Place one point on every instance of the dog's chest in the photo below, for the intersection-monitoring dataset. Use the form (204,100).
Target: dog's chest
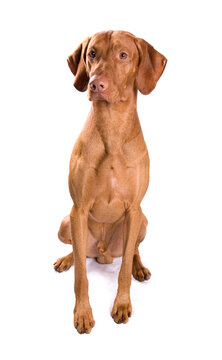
(110,182)
(114,178)
(114,185)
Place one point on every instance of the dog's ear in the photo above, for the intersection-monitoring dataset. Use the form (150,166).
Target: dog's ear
(151,66)
(77,64)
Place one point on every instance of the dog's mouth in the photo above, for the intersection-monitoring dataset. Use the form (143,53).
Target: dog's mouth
(97,96)
(102,96)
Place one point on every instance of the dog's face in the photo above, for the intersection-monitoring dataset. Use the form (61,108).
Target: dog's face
(113,64)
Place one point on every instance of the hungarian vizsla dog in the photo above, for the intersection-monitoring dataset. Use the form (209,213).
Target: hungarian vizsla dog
(109,166)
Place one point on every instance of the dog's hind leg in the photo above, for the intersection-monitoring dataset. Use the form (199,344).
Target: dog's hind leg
(64,235)
(139,271)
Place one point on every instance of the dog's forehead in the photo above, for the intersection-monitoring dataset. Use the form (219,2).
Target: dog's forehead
(100,39)
(123,39)
(114,39)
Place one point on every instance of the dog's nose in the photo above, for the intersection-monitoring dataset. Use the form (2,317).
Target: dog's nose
(98,84)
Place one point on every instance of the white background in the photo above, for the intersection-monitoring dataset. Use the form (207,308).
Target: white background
(177,314)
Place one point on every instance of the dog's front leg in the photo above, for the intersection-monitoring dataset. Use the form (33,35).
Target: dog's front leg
(83,318)
(122,307)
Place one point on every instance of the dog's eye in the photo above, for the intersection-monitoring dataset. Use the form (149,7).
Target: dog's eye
(92,54)
(123,55)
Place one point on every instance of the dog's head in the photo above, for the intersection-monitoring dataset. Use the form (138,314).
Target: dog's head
(112,64)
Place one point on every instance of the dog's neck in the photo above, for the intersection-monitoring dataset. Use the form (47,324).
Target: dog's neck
(117,123)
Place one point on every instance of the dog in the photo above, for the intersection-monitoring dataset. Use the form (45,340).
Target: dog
(109,166)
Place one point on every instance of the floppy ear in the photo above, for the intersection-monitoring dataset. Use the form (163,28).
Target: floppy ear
(151,66)
(77,65)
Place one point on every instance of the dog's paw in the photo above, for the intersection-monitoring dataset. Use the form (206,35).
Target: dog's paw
(83,319)
(141,273)
(64,263)
(122,310)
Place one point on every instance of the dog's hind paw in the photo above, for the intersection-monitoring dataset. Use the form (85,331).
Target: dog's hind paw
(141,273)
(64,263)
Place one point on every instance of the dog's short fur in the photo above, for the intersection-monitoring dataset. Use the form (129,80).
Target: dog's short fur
(109,166)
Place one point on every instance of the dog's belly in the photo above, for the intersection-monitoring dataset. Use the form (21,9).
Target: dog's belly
(104,211)
(111,233)
(113,237)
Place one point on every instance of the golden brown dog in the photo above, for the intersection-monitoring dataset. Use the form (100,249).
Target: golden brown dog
(109,166)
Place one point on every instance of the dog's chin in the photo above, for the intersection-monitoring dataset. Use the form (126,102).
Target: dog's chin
(95,96)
